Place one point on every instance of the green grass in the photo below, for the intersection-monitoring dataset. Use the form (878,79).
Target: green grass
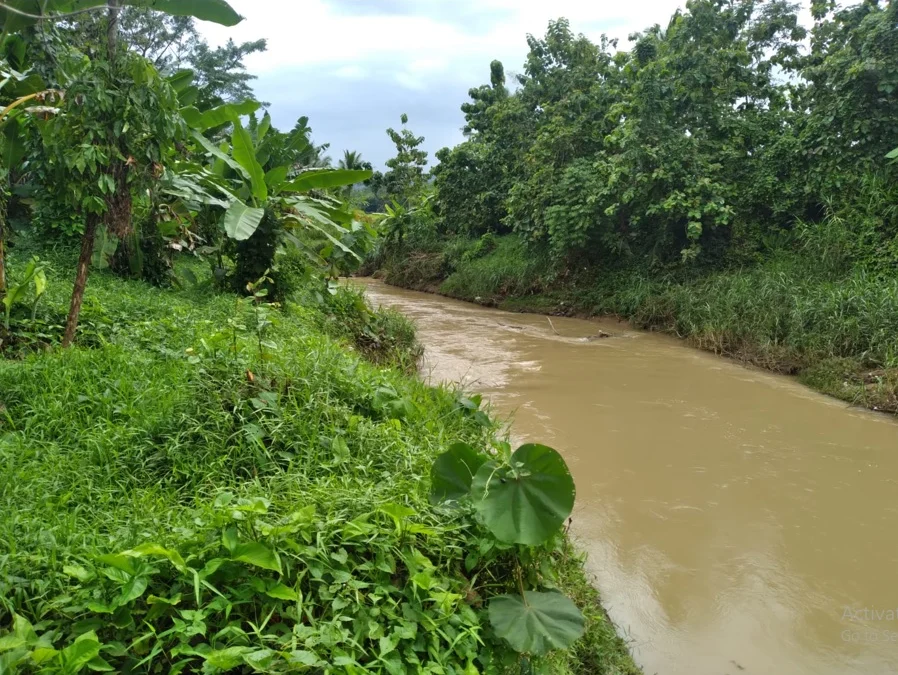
(313,455)
(837,329)
(509,270)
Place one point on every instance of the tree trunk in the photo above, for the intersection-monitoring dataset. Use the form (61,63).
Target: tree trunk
(2,261)
(87,252)
(112,29)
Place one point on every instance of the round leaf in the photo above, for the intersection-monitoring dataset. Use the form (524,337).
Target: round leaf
(537,622)
(526,502)
(453,472)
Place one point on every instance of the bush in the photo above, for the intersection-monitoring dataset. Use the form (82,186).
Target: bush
(384,336)
(291,272)
(511,269)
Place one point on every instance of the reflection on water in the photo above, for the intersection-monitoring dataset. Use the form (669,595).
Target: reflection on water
(730,516)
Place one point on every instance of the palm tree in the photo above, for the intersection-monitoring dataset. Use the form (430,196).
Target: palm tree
(352,160)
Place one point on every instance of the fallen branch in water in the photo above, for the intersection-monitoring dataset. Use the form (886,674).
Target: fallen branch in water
(553,326)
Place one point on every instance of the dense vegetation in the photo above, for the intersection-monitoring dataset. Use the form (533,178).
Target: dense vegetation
(214,457)
(729,177)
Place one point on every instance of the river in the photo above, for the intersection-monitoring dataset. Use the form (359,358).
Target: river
(735,522)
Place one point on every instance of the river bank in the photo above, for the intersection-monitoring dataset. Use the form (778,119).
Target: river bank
(835,332)
(729,515)
(201,462)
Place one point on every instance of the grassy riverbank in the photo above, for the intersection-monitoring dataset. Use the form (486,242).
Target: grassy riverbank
(294,455)
(836,330)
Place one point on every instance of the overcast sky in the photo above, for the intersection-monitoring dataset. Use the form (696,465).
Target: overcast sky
(354,66)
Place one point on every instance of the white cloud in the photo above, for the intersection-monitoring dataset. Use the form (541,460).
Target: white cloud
(350,72)
(354,66)
(313,32)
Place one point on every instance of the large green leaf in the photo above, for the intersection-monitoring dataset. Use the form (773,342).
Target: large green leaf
(155,550)
(13,22)
(336,211)
(453,472)
(20,87)
(220,155)
(133,589)
(228,113)
(227,659)
(259,555)
(310,222)
(893,154)
(189,96)
(536,623)
(527,501)
(14,146)
(181,80)
(77,655)
(322,179)
(242,221)
(217,11)
(276,177)
(23,635)
(245,155)
(264,127)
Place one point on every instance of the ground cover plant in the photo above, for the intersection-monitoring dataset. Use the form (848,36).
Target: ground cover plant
(210,489)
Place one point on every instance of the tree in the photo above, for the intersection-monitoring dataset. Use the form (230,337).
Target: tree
(221,74)
(483,98)
(118,116)
(850,82)
(404,181)
(353,160)
(109,142)
(168,42)
(173,43)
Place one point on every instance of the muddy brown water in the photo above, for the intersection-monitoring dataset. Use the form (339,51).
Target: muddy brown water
(735,522)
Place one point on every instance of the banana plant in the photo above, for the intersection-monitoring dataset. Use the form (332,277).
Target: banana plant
(34,275)
(254,183)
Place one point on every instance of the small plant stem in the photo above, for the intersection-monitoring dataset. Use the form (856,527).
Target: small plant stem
(519,573)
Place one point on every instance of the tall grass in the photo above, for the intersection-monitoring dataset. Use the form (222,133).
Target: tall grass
(143,433)
(774,314)
(510,269)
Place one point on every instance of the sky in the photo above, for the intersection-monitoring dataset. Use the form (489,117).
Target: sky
(354,66)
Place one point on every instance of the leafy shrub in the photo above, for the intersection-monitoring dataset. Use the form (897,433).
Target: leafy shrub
(483,246)
(383,335)
(291,272)
(512,268)
(255,257)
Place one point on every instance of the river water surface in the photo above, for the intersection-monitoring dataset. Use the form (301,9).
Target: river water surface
(736,522)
